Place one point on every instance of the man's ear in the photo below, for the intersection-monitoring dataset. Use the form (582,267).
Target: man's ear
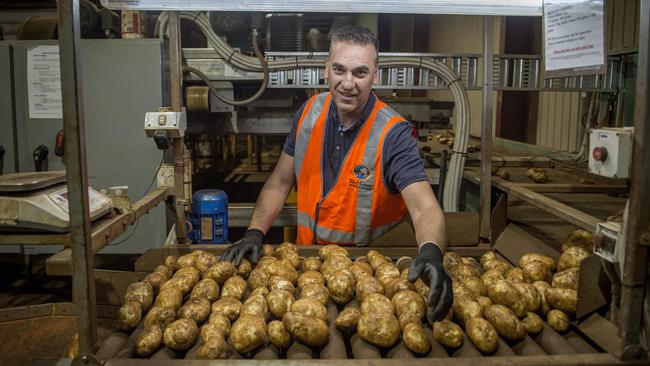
(375,77)
(327,69)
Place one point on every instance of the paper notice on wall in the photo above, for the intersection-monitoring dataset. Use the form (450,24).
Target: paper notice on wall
(574,35)
(44,82)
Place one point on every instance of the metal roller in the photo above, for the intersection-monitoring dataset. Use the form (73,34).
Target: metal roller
(127,349)
(112,345)
(504,350)
(268,353)
(191,353)
(552,342)
(527,347)
(299,351)
(578,343)
(466,350)
(165,354)
(363,350)
(437,349)
(335,347)
(400,351)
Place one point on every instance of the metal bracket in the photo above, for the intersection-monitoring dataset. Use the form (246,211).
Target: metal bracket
(84,360)
(644,238)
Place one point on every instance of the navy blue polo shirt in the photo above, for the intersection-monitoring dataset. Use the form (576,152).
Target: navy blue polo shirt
(402,164)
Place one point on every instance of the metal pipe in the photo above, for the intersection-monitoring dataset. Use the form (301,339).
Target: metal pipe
(486,129)
(637,233)
(176,72)
(83,287)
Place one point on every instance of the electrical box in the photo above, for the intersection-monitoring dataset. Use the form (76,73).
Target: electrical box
(606,241)
(172,123)
(611,151)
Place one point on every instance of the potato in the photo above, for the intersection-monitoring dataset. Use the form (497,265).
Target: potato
(538,175)
(541,287)
(235,287)
(204,261)
(311,264)
(248,333)
(190,276)
(316,292)
(379,329)
(129,315)
(141,292)
(245,268)
(280,283)
(324,251)
(421,288)
(558,320)
(448,334)
(333,264)
(504,293)
(406,318)
(267,250)
(416,339)
(376,259)
(214,349)
(209,331)
(305,329)
(529,257)
(360,270)
(310,307)
(171,298)
(221,322)
(279,302)
(228,306)
(483,335)
(262,291)
(148,341)
(206,289)
(165,269)
(159,316)
(463,271)
(341,286)
(530,294)
(311,278)
(155,279)
(489,278)
(185,261)
(195,309)
(279,335)
(475,286)
(386,272)
(255,306)
(280,268)
(562,299)
(567,279)
(396,285)
(368,285)
(536,271)
(347,320)
(487,256)
(170,261)
(181,334)
(461,292)
(265,262)
(288,254)
(484,301)
(497,264)
(257,278)
(515,274)
(466,309)
(376,304)
(221,272)
(579,238)
(451,260)
(532,323)
(572,258)
(505,322)
(407,301)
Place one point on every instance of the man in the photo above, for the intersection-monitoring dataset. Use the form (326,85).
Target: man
(357,168)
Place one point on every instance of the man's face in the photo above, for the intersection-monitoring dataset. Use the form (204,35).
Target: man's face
(351,71)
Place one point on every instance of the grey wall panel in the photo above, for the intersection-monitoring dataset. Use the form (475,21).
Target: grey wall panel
(6,109)
(122,79)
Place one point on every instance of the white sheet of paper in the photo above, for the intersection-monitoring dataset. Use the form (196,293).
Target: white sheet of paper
(573,35)
(44,82)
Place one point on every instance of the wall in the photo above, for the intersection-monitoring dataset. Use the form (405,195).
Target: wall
(463,34)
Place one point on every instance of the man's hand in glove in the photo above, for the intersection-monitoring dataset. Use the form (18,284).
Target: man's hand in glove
(250,244)
(428,265)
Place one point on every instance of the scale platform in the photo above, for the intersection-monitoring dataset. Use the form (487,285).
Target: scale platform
(38,201)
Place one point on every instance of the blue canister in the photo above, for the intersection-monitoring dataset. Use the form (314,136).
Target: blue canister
(209,217)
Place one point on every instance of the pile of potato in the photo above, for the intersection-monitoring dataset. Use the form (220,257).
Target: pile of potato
(196,301)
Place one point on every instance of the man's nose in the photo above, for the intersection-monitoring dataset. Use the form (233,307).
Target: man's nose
(348,81)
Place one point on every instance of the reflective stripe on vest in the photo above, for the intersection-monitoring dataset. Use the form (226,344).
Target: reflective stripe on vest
(336,221)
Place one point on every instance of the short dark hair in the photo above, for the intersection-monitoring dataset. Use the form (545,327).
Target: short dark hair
(356,34)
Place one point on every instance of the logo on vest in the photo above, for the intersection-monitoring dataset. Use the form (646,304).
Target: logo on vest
(362,173)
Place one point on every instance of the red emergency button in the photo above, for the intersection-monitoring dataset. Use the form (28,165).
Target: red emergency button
(599,153)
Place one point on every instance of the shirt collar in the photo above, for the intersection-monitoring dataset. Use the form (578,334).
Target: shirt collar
(367,109)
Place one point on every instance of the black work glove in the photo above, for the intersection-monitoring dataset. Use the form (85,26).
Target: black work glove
(428,264)
(251,244)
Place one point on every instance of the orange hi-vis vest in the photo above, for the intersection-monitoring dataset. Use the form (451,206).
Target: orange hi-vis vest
(358,207)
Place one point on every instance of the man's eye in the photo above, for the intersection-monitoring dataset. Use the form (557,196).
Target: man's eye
(362,74)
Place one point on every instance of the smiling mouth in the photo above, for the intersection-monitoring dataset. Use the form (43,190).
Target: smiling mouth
(347,95)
